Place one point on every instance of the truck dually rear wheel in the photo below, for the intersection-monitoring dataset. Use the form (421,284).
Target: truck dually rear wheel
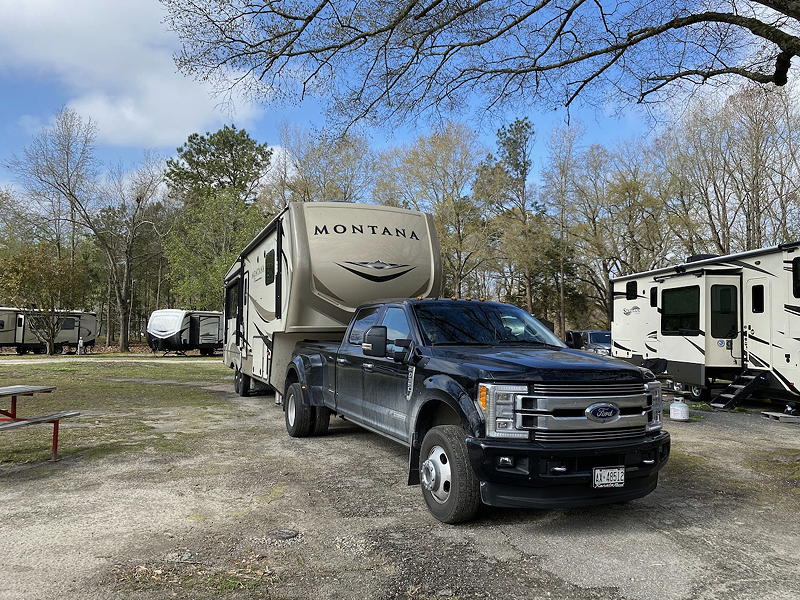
(297,415)
(449,485)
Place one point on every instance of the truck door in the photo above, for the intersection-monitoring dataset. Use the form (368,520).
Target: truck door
(350,364)
(758,323)
(386,383)
(723,322)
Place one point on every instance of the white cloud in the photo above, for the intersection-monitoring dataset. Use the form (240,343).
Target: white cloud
(115,60)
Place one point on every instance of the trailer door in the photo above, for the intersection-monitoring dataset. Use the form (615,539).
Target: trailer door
(723,322)
(758,323)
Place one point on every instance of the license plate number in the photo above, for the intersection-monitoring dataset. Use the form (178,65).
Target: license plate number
(608,477)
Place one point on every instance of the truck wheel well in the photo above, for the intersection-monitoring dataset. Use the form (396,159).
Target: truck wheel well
(291,377)
(435,413)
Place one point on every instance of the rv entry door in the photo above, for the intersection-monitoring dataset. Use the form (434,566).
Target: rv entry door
(723,322)
(758,323)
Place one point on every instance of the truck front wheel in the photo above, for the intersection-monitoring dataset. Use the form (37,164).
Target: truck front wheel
(449,485)
(297,415)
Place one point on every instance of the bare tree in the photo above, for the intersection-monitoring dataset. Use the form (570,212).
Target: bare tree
(390,59)
(59,165)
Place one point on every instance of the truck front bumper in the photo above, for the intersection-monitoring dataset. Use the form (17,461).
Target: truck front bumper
(550,475)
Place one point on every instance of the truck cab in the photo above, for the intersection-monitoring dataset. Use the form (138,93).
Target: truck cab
(493,407)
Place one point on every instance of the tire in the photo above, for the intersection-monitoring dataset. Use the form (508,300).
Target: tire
(21,350)
(449,485)
(298,416)
(241,383)
(697,393)
(322,419)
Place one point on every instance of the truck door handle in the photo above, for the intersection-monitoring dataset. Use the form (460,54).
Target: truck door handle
(367,366)
(342,361)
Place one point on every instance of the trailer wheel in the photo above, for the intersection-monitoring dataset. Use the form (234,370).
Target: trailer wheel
(698,393)
(21,350)
(241,383)
(297,415)
(322,419)
(449,485)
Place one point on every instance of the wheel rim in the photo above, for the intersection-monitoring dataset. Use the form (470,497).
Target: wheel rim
(436,474)
(290,410)
(696,391)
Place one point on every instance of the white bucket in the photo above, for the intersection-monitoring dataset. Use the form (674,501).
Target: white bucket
(679,411)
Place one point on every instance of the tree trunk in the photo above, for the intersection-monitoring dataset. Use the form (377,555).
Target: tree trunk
(124,315)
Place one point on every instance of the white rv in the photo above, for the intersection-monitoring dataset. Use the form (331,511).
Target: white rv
(174,330)
(17,330)
(308,270)
(731,318)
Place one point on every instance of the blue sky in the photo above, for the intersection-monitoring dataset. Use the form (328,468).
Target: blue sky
(111,62)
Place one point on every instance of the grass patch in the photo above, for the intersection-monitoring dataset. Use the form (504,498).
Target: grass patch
(780,463)
(117,417)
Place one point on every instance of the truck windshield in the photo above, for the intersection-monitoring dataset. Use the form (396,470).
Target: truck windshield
(478,323)
(600,337)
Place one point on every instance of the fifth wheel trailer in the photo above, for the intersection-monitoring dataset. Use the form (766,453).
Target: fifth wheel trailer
(732,318)
(17,330)
(307,271)
(175,330)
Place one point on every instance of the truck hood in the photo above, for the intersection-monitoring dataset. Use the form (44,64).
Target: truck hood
(532,364)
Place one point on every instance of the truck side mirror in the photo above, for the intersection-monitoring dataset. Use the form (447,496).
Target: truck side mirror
(375,341)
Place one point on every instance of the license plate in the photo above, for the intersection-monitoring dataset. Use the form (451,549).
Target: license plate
(607,477)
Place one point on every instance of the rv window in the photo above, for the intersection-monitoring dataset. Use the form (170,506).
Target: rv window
(397,327)
(796,277)
(19,321)
(653,296)
(757,299)
(231,300)
(724,319)
(367,317)
(680,311)
(2,324)
(69,323)
(269,268)
(630,290)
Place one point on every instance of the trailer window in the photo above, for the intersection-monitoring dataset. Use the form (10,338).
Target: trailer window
(653,296)
(757,299)
(367,317)
(680,311)
(631,291)
(724,311)
(2,324)
(232,300)
(69,324)
(796,277)
(269,267)
(19,321)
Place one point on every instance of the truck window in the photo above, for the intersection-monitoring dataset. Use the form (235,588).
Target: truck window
(757,295)
(680,311)
(69,324)
(723,311)
(630,290)
(269,267)
(397,327)
(366,318)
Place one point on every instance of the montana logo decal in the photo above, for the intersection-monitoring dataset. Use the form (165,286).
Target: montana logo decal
(376,270)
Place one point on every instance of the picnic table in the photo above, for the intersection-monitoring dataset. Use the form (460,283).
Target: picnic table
(10,421)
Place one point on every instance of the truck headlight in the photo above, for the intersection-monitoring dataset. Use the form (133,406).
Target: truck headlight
(497,403)
(654,391)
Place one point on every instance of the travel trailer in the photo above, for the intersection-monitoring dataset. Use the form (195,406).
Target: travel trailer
(307,271)
(714,318)
(174,330)
(17,330)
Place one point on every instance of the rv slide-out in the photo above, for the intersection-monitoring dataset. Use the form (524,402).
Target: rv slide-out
(729,318)
(304,275)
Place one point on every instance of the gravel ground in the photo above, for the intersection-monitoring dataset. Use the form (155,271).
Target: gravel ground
(252,513)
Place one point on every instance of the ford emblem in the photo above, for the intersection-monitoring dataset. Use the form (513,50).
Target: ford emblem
(602,412)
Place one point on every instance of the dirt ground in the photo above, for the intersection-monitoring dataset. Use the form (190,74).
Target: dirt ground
(171,486)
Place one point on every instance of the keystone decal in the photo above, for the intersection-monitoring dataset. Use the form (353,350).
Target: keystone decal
(371,230)
(359,268)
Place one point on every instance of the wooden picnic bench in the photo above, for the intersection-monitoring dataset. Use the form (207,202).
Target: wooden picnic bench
(10,420)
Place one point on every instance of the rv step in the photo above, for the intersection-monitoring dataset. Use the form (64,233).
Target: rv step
(781,417)
(737,386)
(746,377)
(726,396)
(717,405)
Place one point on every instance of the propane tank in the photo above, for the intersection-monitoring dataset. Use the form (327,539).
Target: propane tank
(679,410)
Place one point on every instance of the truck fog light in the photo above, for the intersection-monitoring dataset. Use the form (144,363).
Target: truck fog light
(505,461)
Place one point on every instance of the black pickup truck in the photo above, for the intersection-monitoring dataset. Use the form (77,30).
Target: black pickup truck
(493,407)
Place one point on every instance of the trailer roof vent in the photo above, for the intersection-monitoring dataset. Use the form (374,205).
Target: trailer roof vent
(696,257)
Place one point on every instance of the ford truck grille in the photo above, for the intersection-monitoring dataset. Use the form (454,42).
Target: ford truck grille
(555,412)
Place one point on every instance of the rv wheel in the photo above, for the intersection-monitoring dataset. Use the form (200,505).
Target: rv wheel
(698,393)
(21,350)
(297,415)
(241,383)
